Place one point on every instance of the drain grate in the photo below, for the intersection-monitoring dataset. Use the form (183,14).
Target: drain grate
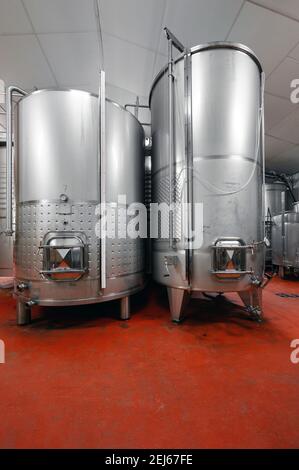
(288,296)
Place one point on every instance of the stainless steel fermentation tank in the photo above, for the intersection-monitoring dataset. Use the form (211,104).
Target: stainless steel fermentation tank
(277,199)
(208,138)
(75,151)
(285,241)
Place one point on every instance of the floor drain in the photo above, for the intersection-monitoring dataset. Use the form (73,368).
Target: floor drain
(288,296)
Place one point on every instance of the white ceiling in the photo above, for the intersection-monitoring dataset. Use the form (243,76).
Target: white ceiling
(46,43)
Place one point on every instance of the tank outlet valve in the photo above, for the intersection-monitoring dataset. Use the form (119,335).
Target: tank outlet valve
(169,261)
(22,286)
(63,198)
(255,281)
(267,242)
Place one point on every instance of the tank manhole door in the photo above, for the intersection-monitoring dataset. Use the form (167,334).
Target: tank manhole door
(64,256)
(229,258)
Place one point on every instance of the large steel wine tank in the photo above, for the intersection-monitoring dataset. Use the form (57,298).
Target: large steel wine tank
(207,133)
(62,177)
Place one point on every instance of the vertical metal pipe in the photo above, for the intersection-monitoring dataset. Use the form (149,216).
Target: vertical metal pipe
(189,160)
(136,107)
(283,233)
(102,152)
(9,92)
(170,138)
(262,148)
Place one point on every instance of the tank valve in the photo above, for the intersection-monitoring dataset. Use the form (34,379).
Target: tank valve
(22,286)
(31,303)
(267,242)
(255,281)
(169,261)
(63,198)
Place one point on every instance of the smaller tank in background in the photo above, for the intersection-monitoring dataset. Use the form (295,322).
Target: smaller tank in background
(275,193)
(75,152)
(285,241)
(277,199)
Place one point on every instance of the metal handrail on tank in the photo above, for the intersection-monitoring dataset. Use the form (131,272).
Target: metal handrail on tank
(9,92)
(102,155)
(262,146)
(172,42)
(189,160)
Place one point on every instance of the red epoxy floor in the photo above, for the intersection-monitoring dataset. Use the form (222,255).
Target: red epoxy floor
(78,377)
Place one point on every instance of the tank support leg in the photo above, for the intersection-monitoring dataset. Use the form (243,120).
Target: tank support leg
(252,300)
(125,308)
(178,299)
(23,313)
(281,272)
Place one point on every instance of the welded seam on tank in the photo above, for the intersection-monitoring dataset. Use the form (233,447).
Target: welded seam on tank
(209,157)
(232,156)
(72,203)
(126,274)
(56,201)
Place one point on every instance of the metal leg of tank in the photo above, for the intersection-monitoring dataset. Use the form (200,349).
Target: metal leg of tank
(23,313)
(281,272)
(125,308)
(178,299)
(252,300)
